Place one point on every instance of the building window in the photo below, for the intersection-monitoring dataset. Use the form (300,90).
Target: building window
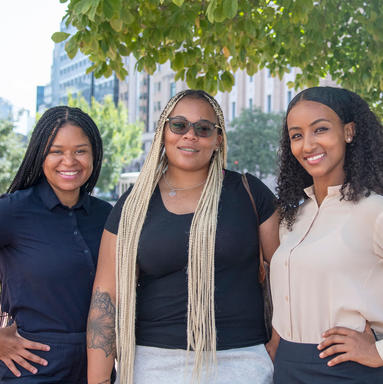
(251,78)
(172,89)
(233,110)
(268,73)
(268,103)
(289,96)
(251,103)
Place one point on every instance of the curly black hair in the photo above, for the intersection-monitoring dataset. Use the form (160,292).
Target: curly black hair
(363,164)
(31,168)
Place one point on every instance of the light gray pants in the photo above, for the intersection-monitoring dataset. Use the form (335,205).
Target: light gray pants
(249,365)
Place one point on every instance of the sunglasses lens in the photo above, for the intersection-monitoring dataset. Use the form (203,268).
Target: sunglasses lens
(181,126)
(178,126)
(203,129)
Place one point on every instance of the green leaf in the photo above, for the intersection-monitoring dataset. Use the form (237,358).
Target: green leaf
(163,56)
(227,80)
(58,37)
(91,69)
(71,47)
(180,75)
(127,16)
(178,61)
(93,10)
(108,9)
(210,12)
(116,24)
(83,6)
(179,3)
(230,8)
(123,50)
(219,14)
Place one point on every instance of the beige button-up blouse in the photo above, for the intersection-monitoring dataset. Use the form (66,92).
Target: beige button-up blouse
(328,271)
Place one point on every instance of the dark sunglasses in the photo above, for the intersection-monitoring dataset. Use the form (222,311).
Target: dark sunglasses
(202,128)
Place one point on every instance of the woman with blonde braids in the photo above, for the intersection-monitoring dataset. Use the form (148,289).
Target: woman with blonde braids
(178,264)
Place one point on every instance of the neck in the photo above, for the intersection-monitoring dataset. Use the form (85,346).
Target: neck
(321,188)
(68,198)
(184,179)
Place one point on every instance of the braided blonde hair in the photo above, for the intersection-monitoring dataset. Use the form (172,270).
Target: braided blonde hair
(201,332)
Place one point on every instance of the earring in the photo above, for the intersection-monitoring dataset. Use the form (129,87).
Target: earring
(349,139)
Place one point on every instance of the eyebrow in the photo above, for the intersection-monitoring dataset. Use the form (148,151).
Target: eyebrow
(311,124)
(77,146)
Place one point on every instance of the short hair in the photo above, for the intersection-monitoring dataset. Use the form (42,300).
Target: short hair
(30,171)
(364,155)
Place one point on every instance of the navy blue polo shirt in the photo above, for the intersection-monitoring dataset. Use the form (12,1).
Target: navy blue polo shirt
(48,258)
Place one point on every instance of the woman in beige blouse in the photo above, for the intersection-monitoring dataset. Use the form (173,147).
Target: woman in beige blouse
(327,274)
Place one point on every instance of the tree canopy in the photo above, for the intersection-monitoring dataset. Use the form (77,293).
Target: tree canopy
(208,40)
(12,148)
(121,140)
(253,142)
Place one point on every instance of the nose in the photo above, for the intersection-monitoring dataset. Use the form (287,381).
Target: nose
(190,134)
(69,158)
(308,143)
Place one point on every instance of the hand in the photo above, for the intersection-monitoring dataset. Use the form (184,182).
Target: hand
(272,345)
(352,346)
(14,349)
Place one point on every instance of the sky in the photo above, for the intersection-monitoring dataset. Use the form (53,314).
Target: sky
(26,47)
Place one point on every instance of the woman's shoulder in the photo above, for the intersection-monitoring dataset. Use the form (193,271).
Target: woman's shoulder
(100,203)
(372,204)
(236,177)
(17,198)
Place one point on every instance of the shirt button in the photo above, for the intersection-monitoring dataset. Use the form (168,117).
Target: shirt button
(75,233)
(86,251)
(70,213)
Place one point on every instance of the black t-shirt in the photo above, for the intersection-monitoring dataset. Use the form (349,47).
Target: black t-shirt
(162,292)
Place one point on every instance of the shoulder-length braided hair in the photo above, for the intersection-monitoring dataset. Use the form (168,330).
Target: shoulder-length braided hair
(201,332)
(363,164)
(31,169)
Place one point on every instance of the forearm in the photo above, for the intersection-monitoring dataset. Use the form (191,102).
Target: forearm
(101,337)
(273,343)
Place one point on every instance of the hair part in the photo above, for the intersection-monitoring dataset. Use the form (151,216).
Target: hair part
(363,164)
(30,171)
(201,331)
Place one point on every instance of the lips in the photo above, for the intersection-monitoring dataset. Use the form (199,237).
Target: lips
(314,159)
(68,174)
(188,149)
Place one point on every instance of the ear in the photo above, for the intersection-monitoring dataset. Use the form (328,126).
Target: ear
(349,132)
(219,141)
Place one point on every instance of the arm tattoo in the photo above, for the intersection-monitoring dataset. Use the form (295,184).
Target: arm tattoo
(101,321)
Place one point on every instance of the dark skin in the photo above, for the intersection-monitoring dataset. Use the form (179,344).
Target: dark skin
(352,345)
(16,349)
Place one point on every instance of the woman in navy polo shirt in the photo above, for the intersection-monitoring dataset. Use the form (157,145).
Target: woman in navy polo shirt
(50,230)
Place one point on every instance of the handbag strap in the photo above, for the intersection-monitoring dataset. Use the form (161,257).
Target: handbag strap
(262,271)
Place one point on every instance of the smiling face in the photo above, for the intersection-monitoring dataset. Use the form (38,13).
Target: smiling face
(188,151)
(318,141)
(69,163)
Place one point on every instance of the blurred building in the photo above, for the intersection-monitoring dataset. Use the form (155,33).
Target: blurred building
(69,76)
(6,109)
